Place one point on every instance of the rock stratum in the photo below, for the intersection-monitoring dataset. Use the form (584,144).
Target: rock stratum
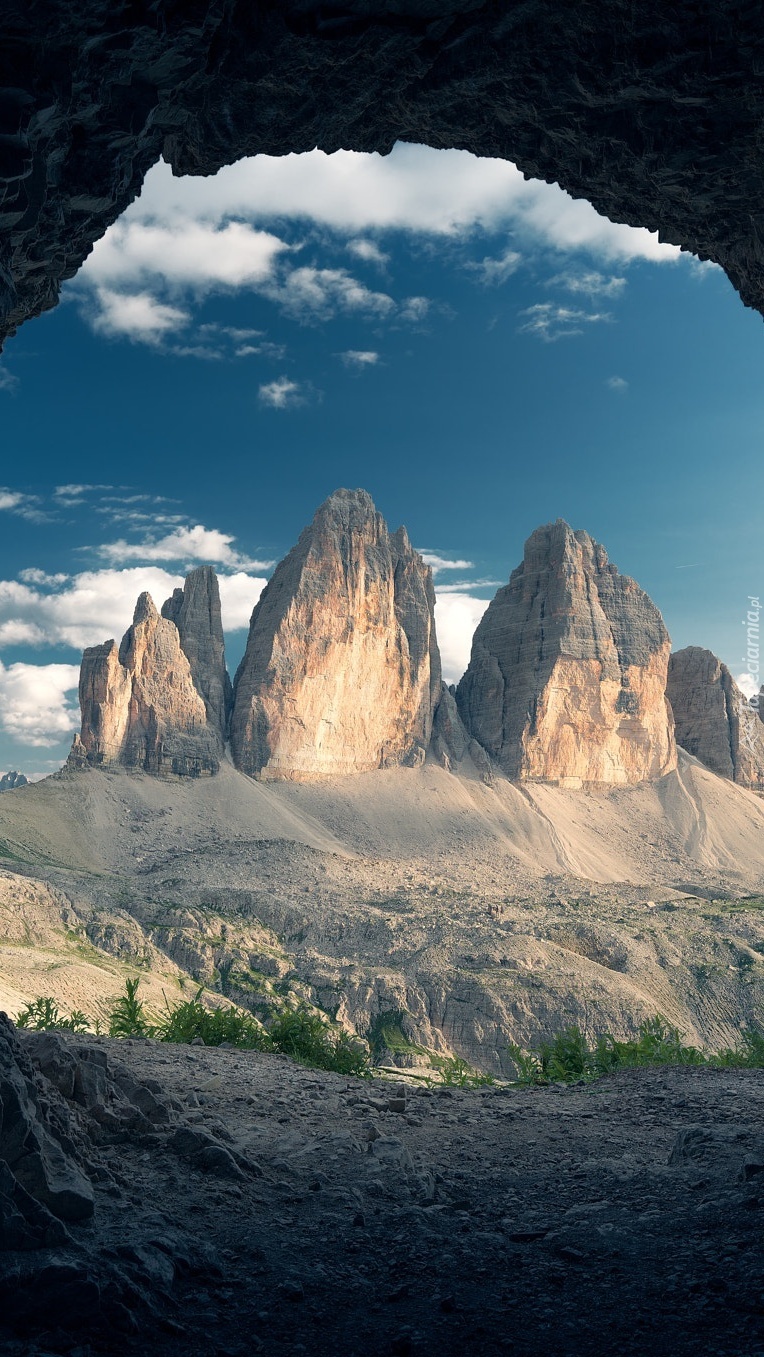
(342,671)
(653,115)
(140,703)
(713,719)
(567,678)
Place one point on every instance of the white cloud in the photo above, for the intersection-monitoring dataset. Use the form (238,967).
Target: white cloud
(437,562)
(183,252)
(34,576)
(415,310)
(98,605)
(588,283)
(466,586)
(238,595)
(8,382)
(617,384)
(309,293)
(369,252)
(493,272)
(359,358)
(137,316)
(747,685)
(25,506)
(37,703)
(456,617)
(281,394)
(548,321)
(187,544)
(415,188)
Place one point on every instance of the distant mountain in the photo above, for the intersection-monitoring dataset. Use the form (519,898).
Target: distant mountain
(714,721)
(10,781)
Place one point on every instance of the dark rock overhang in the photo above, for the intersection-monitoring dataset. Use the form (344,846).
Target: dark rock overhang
(650,111)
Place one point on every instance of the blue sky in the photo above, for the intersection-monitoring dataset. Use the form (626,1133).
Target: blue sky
(479,352)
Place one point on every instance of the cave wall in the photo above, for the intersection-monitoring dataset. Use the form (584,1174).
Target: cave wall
(652,112)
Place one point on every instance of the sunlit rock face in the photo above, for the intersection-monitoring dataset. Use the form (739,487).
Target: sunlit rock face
(140,707)
(567,678)
(342,672)
(713,719)
(195,610)
(619,103)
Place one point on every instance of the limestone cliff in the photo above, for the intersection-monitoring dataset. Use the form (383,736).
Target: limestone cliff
(139,705)
(195,610)
(342,671)
(713,720)
(567,678)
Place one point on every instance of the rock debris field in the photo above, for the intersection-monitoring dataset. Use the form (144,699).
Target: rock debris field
(224,1203)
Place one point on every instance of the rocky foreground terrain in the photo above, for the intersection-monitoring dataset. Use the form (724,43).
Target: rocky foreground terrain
(220,1203)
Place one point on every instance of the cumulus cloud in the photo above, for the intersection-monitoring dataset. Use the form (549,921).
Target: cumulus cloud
(309,293)
(550,322)
(38,702)
(456,617)
(493,272)
(369,252)
(438,562)
(588,283)
(415,188)
(98,605)
(359,358)
(24,506)
(618,384)
(747,685)
(281,394)
(184,253)
(136,315)
(189,544)
(238,595)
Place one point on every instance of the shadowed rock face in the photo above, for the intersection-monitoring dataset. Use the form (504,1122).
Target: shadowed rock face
(342,672)
(651,112)
(195,610)
(139,705)
(567,678)
(713,720)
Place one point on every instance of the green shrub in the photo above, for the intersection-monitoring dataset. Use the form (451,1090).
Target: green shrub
(42,1015)
(456,1073)
(192,1019)
(749,1056)
(568,1057)
(128,1018)
(303,1035)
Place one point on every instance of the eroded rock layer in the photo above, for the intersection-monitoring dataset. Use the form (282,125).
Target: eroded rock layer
(342,672)
(139,704)
(713,719)
(651,112)
(567,678)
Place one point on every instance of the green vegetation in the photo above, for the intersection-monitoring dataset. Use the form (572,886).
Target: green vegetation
(299,1033)
(193,1020)
(569,1057)
(307,1038)
(42,1014)
(456,1073)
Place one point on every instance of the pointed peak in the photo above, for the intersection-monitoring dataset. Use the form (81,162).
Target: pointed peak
(145,610)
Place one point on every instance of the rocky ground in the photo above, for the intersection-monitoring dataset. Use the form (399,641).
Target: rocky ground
(223,1204)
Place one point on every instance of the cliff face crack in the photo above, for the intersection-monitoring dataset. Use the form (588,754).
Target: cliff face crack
(653,115)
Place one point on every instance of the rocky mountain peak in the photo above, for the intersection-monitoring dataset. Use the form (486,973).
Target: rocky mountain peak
(195,610)
(714,722)
(342,671)
(566,681)
(140,705)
